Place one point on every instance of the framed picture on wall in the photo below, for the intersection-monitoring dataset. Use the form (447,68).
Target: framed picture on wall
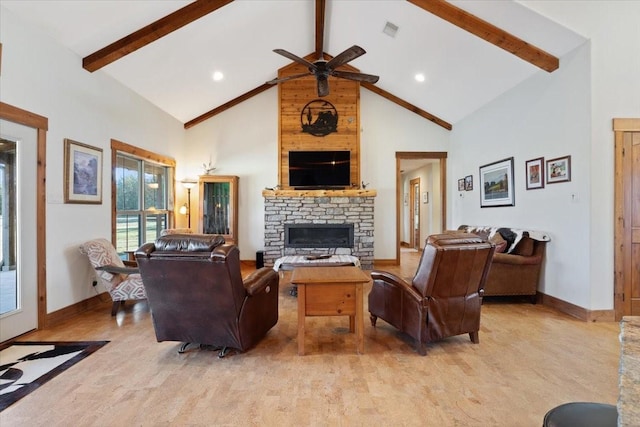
(559,170)
(534,174)
(468,183)
(461,184)
(82,173)
(496,184)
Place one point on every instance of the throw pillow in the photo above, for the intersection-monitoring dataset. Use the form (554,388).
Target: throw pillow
(508,235)
(524,247)
(500,243)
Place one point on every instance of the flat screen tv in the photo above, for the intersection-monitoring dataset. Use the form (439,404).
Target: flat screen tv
(320,169)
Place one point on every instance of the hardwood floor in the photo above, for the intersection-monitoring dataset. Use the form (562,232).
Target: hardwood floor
(529,360)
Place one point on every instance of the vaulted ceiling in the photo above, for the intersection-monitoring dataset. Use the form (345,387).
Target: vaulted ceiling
(470,52)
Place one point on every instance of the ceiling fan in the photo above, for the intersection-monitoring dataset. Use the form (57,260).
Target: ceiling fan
(322,68)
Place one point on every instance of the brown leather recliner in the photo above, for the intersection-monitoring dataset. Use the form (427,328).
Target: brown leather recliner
(197,295)
(445,295)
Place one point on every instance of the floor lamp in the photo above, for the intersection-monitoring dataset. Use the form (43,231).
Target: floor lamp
(186,209)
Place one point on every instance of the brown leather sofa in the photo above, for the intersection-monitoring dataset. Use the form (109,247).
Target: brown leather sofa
(516,267)
(445,296)
(197,295)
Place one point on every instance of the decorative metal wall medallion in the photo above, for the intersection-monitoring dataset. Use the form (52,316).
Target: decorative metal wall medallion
(319,118)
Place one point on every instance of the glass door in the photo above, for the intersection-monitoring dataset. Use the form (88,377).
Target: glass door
(18,225)
(219,206)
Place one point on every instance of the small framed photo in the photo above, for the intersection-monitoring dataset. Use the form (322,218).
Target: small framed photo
(461,184)
(559,170)
(82,173)
(534,173)
(468,183)
(496,184)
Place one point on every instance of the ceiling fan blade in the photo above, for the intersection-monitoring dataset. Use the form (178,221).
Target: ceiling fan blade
(295,58)
(348,55)
(284,79)
(323,87)
(361,77)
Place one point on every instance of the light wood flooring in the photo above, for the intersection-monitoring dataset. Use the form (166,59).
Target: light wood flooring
(529,360)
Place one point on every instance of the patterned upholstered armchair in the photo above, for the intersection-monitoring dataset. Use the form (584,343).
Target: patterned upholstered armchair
(122,283)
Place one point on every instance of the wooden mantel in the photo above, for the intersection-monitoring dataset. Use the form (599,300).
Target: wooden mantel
(319,193)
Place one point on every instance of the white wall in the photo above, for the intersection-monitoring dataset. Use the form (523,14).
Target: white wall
(241,141)
(613,28)
(567,112)
(40,76)
(545,116)
(386,129)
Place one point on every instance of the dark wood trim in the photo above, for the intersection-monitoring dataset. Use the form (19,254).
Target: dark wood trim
(489,32)
(574,310)
(227,105)
(41,124)
(151,33)
(24,117)
(408,106)
(68,312)
(142,153)
(320,12)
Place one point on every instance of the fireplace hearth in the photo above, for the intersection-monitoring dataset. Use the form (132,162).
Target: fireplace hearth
(318,235)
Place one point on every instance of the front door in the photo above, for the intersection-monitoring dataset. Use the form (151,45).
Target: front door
(18,228)
(627,206)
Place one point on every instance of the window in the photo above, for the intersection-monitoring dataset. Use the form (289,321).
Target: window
(143,196)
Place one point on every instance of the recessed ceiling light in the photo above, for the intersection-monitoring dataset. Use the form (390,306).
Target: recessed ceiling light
(217,76)
(390,29)
(420,77)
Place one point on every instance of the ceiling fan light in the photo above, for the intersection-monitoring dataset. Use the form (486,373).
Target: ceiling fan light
(390,29)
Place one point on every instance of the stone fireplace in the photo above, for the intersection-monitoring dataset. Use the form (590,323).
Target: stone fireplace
(320,222)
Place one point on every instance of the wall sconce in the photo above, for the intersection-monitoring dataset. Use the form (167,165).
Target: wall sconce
(186,208)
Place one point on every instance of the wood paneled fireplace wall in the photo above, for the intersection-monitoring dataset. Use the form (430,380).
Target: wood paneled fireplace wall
(299,104)
(294,96)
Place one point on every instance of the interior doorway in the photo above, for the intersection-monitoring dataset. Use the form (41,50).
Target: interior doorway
(427,199)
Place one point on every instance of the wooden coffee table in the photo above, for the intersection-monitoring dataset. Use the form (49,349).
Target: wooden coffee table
(334,291)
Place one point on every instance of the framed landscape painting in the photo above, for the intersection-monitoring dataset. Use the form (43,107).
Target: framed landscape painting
(535,176)
(82,173)
(496,184)
(559,170)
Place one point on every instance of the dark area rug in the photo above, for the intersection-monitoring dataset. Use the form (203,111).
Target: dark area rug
(25,366)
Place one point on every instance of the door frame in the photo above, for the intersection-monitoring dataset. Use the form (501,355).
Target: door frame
(622,233)
(402,155)
(41,124)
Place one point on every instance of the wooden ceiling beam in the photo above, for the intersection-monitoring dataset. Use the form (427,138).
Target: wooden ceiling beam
(490,33)
(228,105)
(408,106)
(320,11)
(151,33)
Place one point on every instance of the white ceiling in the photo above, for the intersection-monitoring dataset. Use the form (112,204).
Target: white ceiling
(463,71)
